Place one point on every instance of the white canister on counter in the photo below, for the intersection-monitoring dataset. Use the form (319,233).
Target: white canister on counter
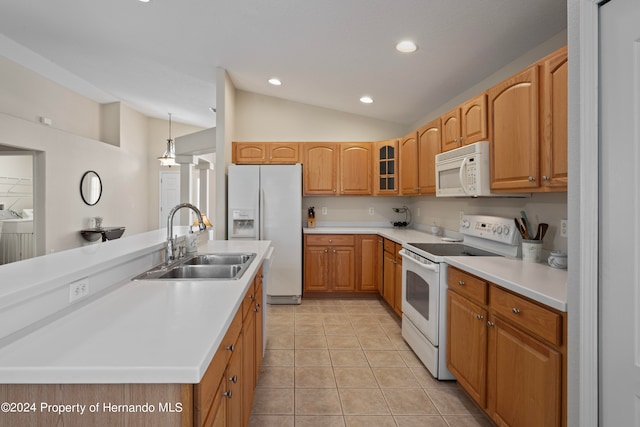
(531,250)
(558,259)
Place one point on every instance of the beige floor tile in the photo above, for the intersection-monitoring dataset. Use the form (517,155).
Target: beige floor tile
(280,329)
(312,358)
(395,378)
(278,358)
(369,421)
(407,401)
(336,319)
(426,380)
(411,359)
(391,328)
(355,378)
(307,308)
(280,318)
(420,421)
(342,342)
(276,376)
(310,342)
(452,401)
(273,401)
(280,341)
(309,329)
(363,401)
(367,319)
(371,342)
(317,401)
(314,377)
(368,329)
(278,308)
(332,309)
(308,318)
(348,358)
(468,421)
(384,359)
(345,329)
(398,342)
(319,421)
(358,309)
(271,421)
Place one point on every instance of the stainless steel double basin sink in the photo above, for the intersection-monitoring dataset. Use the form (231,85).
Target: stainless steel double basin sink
(217,266)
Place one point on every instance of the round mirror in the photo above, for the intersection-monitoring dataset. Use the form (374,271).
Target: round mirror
(91,188)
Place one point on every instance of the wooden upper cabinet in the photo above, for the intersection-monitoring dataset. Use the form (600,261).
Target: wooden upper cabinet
(513,131)
(473,120)
(385,166)
(451,130)
(320,171)
(553,130)
(409,164)
(355,168)
(266,152)
(428,147)
(249,153)
(465,124)
(283,152)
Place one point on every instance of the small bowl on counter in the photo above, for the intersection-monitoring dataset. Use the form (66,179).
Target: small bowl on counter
(558,259)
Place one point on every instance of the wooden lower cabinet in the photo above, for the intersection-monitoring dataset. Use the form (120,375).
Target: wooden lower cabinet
(509,353)
(367,263)
(330,263)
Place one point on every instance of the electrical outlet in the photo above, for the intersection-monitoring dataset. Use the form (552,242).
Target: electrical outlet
(418,212)
(564,228)
(324,210)
(78,289)
(372,211)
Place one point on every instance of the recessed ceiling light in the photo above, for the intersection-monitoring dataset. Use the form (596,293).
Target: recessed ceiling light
(366,100)
(406,46)
(144,1)
(275,82)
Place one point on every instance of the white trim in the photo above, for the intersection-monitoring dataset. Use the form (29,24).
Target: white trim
(585,275)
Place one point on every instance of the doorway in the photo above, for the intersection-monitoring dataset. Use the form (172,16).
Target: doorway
(169,194)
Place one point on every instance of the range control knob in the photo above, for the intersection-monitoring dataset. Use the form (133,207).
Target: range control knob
(466,223)
(507,230)
(499,230)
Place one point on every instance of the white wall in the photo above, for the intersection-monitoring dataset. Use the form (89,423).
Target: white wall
(70,147)
(16,166)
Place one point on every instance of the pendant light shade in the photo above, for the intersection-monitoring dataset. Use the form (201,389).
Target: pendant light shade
(169,156)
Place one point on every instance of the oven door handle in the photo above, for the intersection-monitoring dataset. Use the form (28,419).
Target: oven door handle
(423,264)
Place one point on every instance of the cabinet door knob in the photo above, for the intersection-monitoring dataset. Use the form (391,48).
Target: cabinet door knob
(330,240)
(490,323)
(461,282)
(252,297)
(515,310)
(531,179)
(479,316)
(334,251)
(326,250)
(228,394)
(234,379)
(334,190)
(231,348)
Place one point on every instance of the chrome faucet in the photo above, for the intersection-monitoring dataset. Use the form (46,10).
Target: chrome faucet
(171,242)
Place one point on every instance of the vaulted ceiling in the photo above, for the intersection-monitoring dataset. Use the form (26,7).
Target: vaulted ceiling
(161,56)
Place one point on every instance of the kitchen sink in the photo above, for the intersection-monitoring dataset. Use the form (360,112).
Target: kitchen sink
(213,267)
(219,259)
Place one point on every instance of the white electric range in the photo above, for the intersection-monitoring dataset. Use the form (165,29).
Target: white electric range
(424,283)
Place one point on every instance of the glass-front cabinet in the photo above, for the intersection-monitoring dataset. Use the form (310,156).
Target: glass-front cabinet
(386,165)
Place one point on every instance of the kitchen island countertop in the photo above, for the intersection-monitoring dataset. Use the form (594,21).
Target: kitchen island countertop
(141,332)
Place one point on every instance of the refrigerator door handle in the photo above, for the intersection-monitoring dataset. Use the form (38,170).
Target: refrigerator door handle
(261,215)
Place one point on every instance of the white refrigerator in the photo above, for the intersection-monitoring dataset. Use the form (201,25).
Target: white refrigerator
(265,203)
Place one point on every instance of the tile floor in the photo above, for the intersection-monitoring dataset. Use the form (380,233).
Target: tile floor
(344,363)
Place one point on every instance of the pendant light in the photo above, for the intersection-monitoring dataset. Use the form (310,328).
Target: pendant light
(169,156)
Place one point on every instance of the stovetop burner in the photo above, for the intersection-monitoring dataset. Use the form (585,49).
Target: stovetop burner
(451,249)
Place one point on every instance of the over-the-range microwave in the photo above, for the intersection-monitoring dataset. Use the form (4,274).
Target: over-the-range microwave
(465,172)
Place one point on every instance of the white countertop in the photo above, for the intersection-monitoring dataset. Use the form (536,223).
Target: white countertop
(537,281)
(142,332)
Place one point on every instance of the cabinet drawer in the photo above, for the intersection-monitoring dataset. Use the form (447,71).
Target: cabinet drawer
(467,285)
(390,246)
(331,239)
(530,316)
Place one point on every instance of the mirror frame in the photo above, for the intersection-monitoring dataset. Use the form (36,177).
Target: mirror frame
(86,180)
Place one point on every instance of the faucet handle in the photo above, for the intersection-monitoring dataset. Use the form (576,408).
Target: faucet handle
(181,250)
